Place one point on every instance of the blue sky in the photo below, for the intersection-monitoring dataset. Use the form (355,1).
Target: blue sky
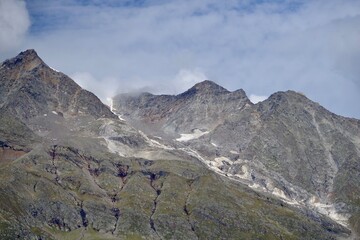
(311,46)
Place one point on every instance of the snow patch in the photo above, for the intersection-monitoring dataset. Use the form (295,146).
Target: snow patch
(190,136)
(54,112)
(234,152)
(214,144)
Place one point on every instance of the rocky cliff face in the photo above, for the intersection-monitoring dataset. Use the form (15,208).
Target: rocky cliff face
(205,164)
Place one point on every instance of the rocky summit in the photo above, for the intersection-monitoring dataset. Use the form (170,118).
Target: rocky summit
(204,164)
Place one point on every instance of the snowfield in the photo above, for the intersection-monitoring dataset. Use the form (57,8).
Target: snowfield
(190,136)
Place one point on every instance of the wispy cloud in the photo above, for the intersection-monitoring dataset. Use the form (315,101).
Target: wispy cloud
(14,23)
(255,98)
(261,46)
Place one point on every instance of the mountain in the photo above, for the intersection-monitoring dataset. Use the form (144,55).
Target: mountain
(28,88)
(286,145)
(201,107)
(192,166)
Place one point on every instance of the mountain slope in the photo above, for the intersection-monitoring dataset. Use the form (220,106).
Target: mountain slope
(71,169)
(286,145)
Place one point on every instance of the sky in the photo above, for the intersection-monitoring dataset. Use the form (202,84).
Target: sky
(261,46)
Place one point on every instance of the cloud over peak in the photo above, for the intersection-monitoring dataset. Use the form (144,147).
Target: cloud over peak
(261,46)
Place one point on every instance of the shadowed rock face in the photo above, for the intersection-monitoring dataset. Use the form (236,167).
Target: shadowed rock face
(71,169)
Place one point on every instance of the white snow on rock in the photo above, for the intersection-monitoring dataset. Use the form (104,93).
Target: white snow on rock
(54,112)
(190,136)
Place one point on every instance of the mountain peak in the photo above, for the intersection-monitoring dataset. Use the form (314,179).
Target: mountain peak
(205,87)
(208,85)
(289,94)
(28,59)
(29,52)
(29,88)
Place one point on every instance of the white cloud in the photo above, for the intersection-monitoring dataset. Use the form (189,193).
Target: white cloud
(84,79)
(14,23)
(186,78)
(255,98)
(262,47)
(103,88)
